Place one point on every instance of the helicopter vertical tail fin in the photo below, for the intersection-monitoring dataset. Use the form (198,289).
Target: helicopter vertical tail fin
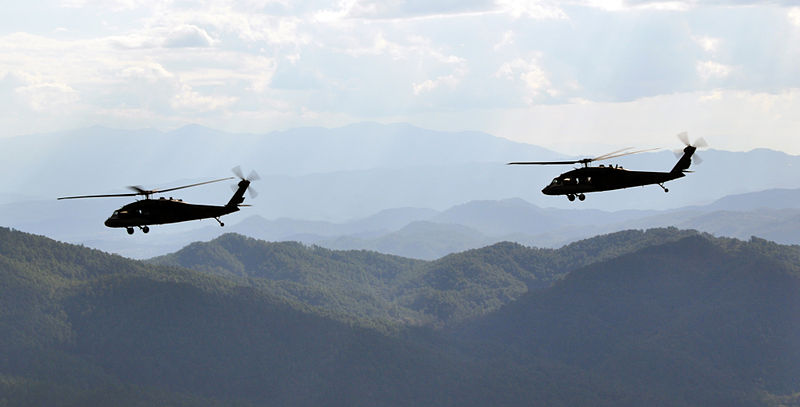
(685,160)
(238,196)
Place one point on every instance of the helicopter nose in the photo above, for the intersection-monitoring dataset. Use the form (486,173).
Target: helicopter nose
(112,221)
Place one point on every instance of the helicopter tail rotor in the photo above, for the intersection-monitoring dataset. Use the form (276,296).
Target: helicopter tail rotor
(687,154)
(253,176)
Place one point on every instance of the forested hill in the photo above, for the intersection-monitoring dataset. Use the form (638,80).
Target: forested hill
(714,321)
(663,318)
(377,287)
(80,327)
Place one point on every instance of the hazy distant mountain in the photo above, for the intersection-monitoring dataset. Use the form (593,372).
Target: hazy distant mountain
(779,198)
(459,228)
(419,240)
(778,225)
(343,184)
(353,171)
(102,158)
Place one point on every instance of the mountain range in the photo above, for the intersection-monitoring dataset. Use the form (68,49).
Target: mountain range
(663,317)
(425,233)
(394,188)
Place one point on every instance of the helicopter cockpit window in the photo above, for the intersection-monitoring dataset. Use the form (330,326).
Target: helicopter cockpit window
(555,182)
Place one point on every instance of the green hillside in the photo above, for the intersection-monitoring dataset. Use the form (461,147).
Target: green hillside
(663,317)
(83,327)
(374,287)
(699,321)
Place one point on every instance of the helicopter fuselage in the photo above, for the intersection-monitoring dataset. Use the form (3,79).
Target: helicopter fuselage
(605,178)
(162,211)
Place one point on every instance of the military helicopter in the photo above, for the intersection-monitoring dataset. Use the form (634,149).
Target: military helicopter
(578,182)
(152,211)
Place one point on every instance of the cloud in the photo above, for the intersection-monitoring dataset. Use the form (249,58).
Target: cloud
(728,119)
(42,97)
(708,44)
(531,74)
(712,70)
(225,63)
(188,36)
(506,40)
(429,85)
(794,16)
(535,9)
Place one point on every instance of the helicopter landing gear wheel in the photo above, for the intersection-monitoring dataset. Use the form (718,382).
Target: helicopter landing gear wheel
(220,222)
(581,197)
(571,197)
(663,187)
(145,228)
(130,230)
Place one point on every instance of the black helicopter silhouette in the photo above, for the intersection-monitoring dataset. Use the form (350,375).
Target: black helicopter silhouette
(150,211)
(587,179)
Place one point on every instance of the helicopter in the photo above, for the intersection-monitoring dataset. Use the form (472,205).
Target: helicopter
(582,180)
(152,211)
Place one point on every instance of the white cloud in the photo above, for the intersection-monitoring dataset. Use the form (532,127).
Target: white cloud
(708,44)
(450,81)
(627,5)
(188,99)
(535,9)
(530,74)
(506,40)
(712,70)
(271,63)
(42,97)
(187,35)
(729,120)
(794,16)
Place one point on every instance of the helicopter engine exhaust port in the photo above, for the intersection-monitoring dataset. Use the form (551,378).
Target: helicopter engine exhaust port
(130,230)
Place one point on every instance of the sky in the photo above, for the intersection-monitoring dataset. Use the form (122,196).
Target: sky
(578,76)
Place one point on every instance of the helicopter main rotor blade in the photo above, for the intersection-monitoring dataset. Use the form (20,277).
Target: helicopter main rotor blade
(624,154)
(96,196)
(609,155)
(155,191)
(141,191)
(544,162)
